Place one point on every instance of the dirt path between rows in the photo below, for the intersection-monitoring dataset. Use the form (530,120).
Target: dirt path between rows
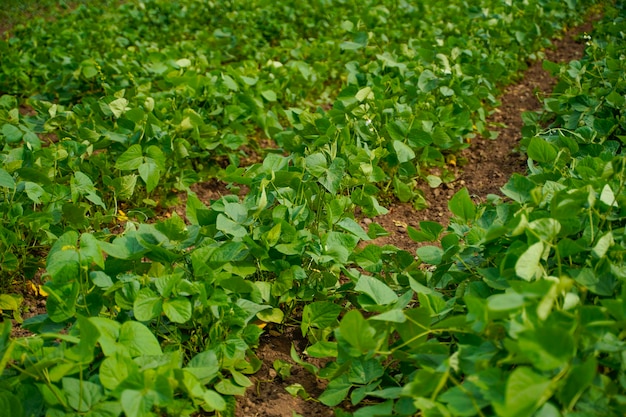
(490,163)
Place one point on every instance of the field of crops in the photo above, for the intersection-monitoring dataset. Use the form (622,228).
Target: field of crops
(305,118)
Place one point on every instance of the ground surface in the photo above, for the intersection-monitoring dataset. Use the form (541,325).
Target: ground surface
(489,164)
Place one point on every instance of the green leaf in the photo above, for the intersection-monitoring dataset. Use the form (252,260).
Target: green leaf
(131,159)
(539,346)
(138,339)
(528,265)
(90,251)
(332,179)
(505,302)
(403,152)
(349,225)
(178,309)
(118,107)
(377,290)
(271,315)
(541,151)
(336,391)
(147,305)
(430,232)
(319,314)
(11,133)
(214,400)
(269,95)
(603,244)
(6,180)
(136,404)
(36,193)
(462,206)
(579,378)
(61,302)
(10,404)
(430,254)
(10,302)
(204,366)
(82,395)
(518,188)
(524,389)
(357,332)
(228,226)
(150,174)
(427,81)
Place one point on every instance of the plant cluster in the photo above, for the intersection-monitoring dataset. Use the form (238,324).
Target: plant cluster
(521,312)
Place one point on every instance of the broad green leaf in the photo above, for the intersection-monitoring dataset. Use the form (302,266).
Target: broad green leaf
(463,402)
(131,159)
(606,196)
(89,334)
(322,349)
(10,404)
(204,366)
(427,81)
(377,290)
(541,151)
(10,301)
(147,305)
(358,332)
(138,339)
(82,395)
(11,133)
(528,265)
(524,389)
(177,309)
(430,254)
(269,95)
(539,346)
(6,180)
(36,193)
(403,151)
(353,227)
(229,227)
(150,174)
(462,206)
(61,301)
(271,315)
(505,302)
(319,314)
(332,179)
(118,107)
(136,404)
(579,378)
(603,244)
(429,232)
(518,188)
(213,400)
(90,251)
(336,391)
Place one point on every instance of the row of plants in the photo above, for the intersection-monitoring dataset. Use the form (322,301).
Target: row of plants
(520,314)
(102,112)
(524,311)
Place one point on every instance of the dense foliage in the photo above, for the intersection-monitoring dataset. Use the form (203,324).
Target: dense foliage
(516,309)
